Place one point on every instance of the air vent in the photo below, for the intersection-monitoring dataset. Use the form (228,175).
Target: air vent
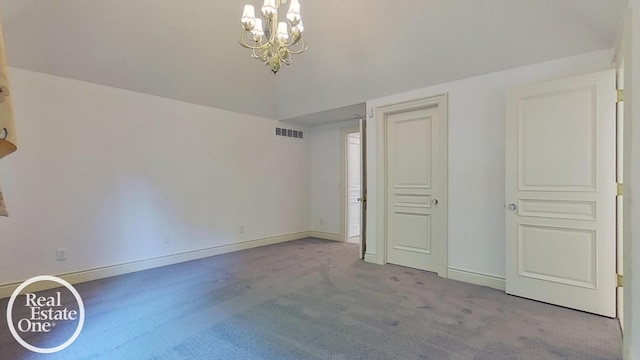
(297,134)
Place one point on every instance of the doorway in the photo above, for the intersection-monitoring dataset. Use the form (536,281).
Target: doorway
(412,183)
(354,186)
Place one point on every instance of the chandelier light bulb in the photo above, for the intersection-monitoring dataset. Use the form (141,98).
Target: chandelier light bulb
(293,14)
(269,8)
(298,28)
(248,17)
(283,31)
(257,31)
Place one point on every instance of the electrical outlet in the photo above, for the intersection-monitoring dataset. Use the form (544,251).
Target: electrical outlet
(167,240)
(241,229)
(321,221)
(61,254)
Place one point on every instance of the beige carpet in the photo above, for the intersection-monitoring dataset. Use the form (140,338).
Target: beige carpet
(312,299)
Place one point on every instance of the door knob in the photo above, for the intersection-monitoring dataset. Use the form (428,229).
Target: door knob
(435,201)
(512,207)
(361,199)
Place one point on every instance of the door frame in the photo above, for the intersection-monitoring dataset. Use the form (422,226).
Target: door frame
(620,195)
(381,114)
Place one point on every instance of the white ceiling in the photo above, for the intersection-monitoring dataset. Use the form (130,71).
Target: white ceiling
(358,49)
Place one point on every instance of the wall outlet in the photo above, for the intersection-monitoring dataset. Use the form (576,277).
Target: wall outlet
(241,229)
(321,221)
(61,254)
(166,240)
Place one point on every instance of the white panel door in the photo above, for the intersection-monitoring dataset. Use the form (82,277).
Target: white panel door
(413,188)
(561,192)
(353,177)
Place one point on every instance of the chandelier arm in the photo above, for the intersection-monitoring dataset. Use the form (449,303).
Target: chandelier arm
(295,39)
(300,51)
(248,46)
(259,53)
(286,57)
(302,48)
(243,42)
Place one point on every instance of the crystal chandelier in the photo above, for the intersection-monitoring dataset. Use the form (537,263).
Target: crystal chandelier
(273,43)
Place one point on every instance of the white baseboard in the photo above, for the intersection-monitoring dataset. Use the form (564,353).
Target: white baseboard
(476,278)
(327,236)
(121,269)
(372,258)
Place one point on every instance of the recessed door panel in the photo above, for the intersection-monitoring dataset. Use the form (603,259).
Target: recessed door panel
(411,231)
(557,144)
(412,154)
(558,209)
(542,252)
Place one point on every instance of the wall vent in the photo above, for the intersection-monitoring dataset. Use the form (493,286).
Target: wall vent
(297,134)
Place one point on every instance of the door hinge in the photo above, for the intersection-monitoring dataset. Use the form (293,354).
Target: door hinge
(620,189)
(620,95)
(619,280)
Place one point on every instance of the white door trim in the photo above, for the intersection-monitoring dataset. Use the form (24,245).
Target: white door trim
(381,113)
(620,197)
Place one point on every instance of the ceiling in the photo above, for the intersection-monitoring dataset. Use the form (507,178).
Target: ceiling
(358,49)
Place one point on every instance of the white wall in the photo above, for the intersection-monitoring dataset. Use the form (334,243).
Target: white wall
(424,43)
(326,177)
(111,174)
(476,161)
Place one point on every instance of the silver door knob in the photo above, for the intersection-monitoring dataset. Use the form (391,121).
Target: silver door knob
(435,201)
(512,207)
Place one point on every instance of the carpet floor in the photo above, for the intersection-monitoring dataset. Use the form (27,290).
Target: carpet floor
(313,299)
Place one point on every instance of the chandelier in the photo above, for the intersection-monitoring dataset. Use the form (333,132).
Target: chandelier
(274,42)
